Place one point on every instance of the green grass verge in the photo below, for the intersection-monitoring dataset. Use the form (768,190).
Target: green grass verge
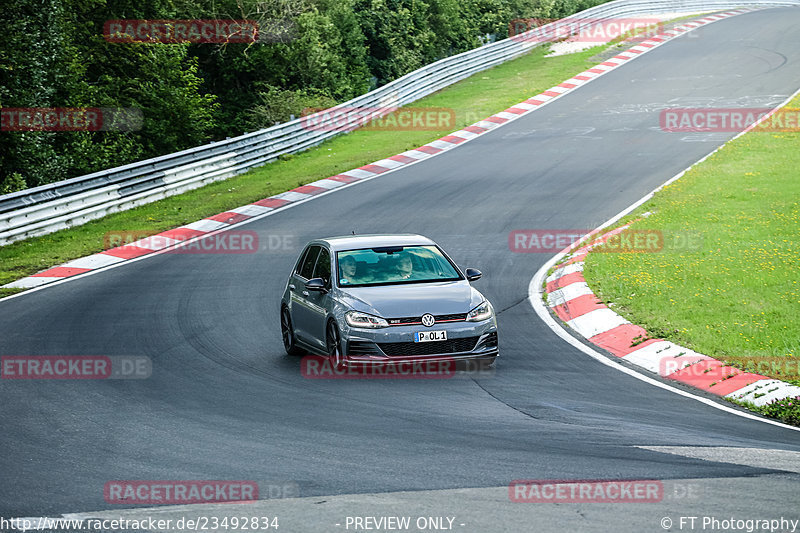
(472,99)
(736,297)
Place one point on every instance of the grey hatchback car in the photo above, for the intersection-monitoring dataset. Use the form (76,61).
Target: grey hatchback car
(372,299)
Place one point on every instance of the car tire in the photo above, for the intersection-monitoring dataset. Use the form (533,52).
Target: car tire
(287,333)
(334,345)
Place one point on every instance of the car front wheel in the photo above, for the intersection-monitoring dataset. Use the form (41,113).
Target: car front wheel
(334,346)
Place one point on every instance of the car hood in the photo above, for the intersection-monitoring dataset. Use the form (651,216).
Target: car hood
(416,299)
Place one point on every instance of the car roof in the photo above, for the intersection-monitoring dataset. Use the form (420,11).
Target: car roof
(355,242)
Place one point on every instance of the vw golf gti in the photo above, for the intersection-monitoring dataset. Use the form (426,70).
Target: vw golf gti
(372,299)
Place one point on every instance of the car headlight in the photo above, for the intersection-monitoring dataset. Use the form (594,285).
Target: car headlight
(363,320)
(481,313)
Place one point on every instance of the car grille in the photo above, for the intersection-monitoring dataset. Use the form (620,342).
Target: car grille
(415,320)
(465,344)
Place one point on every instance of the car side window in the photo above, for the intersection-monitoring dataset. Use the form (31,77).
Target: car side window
(307,264)
(323,268)
(300,261)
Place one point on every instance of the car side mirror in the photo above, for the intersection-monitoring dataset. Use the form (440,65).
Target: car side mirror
(316,285)
(473,274)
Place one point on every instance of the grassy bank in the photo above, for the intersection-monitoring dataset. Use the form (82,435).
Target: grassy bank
(736,295)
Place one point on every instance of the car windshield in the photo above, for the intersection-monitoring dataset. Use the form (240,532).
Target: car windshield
(394,264)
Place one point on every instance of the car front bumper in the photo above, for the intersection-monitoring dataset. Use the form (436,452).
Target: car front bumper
(395,344)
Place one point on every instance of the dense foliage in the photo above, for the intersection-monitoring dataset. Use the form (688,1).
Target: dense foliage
(786,410)
(316,52)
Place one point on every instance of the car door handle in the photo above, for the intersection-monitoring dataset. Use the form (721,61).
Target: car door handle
(305,293)
(291,286)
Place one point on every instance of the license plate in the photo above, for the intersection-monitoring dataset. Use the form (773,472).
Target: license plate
(429,336)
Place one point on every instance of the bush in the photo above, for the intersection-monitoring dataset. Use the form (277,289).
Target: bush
(318,53)
(277,105)
(786,410)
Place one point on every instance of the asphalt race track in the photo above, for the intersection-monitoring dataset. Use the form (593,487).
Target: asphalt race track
(225,402)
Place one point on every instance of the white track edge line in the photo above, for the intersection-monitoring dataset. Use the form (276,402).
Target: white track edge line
(535,297)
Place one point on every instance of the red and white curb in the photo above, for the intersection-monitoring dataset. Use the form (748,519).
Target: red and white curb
(222,221)
(571,298)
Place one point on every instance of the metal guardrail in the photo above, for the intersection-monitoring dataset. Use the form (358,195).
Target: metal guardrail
(47,208)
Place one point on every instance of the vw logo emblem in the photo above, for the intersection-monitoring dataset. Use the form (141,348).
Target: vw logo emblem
(428,320)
